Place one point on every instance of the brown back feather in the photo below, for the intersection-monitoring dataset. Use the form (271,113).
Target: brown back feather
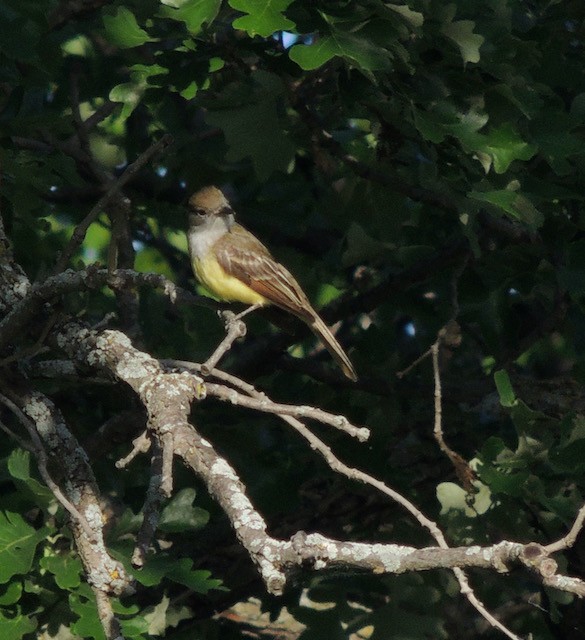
(242,255)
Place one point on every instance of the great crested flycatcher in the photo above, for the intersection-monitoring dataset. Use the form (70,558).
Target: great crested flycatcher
(235,266)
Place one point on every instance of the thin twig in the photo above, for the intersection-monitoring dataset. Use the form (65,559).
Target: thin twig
(569,540)
(141,444)
(478,605)
(100,114)
(260,402)
(34,349)
(462,468)
(132,169)
(235,329)
(22,443)
(404,372)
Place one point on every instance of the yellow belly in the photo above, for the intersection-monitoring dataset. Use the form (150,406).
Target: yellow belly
(225,287)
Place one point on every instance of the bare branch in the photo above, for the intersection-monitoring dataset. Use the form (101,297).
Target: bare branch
(276,559)
(262,403)
(24,310)
(569,540)
(108,620)
(478,605)
(462,468)
(235,329)
(151,508)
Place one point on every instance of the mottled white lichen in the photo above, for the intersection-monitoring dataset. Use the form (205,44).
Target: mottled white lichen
(391,556)
(121,339)
(132,368)
(21,286)
(222,468)
(94,517)
(487,554)
(40,414)
(270,554)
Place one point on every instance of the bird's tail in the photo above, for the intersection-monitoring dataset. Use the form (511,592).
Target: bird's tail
(322,331)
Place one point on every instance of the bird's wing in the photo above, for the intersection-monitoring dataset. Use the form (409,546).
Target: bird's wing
(243,256)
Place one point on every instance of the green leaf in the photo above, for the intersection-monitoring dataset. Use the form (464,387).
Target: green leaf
(129,94)
(535,430)
(16,626)
(428,126)
(18,543)
(122,29)
(558,141)
(178,570)
(522,96)
(352,48)
(461,33)
(505,389)
(194,13)
(444,119)
(502,477)
(413,18)
(264,16)
(180,514)
(11,594)
(82,602)
(570,458)
(88,624)
(19,469)
(513,203)
(255,132)
(466,125)
(200,580)
(65,567)
(191,90)
(504,145)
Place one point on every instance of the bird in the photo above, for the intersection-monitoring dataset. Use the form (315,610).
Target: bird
(232,264)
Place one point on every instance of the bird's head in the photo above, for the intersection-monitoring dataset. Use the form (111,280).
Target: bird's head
(206,204)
